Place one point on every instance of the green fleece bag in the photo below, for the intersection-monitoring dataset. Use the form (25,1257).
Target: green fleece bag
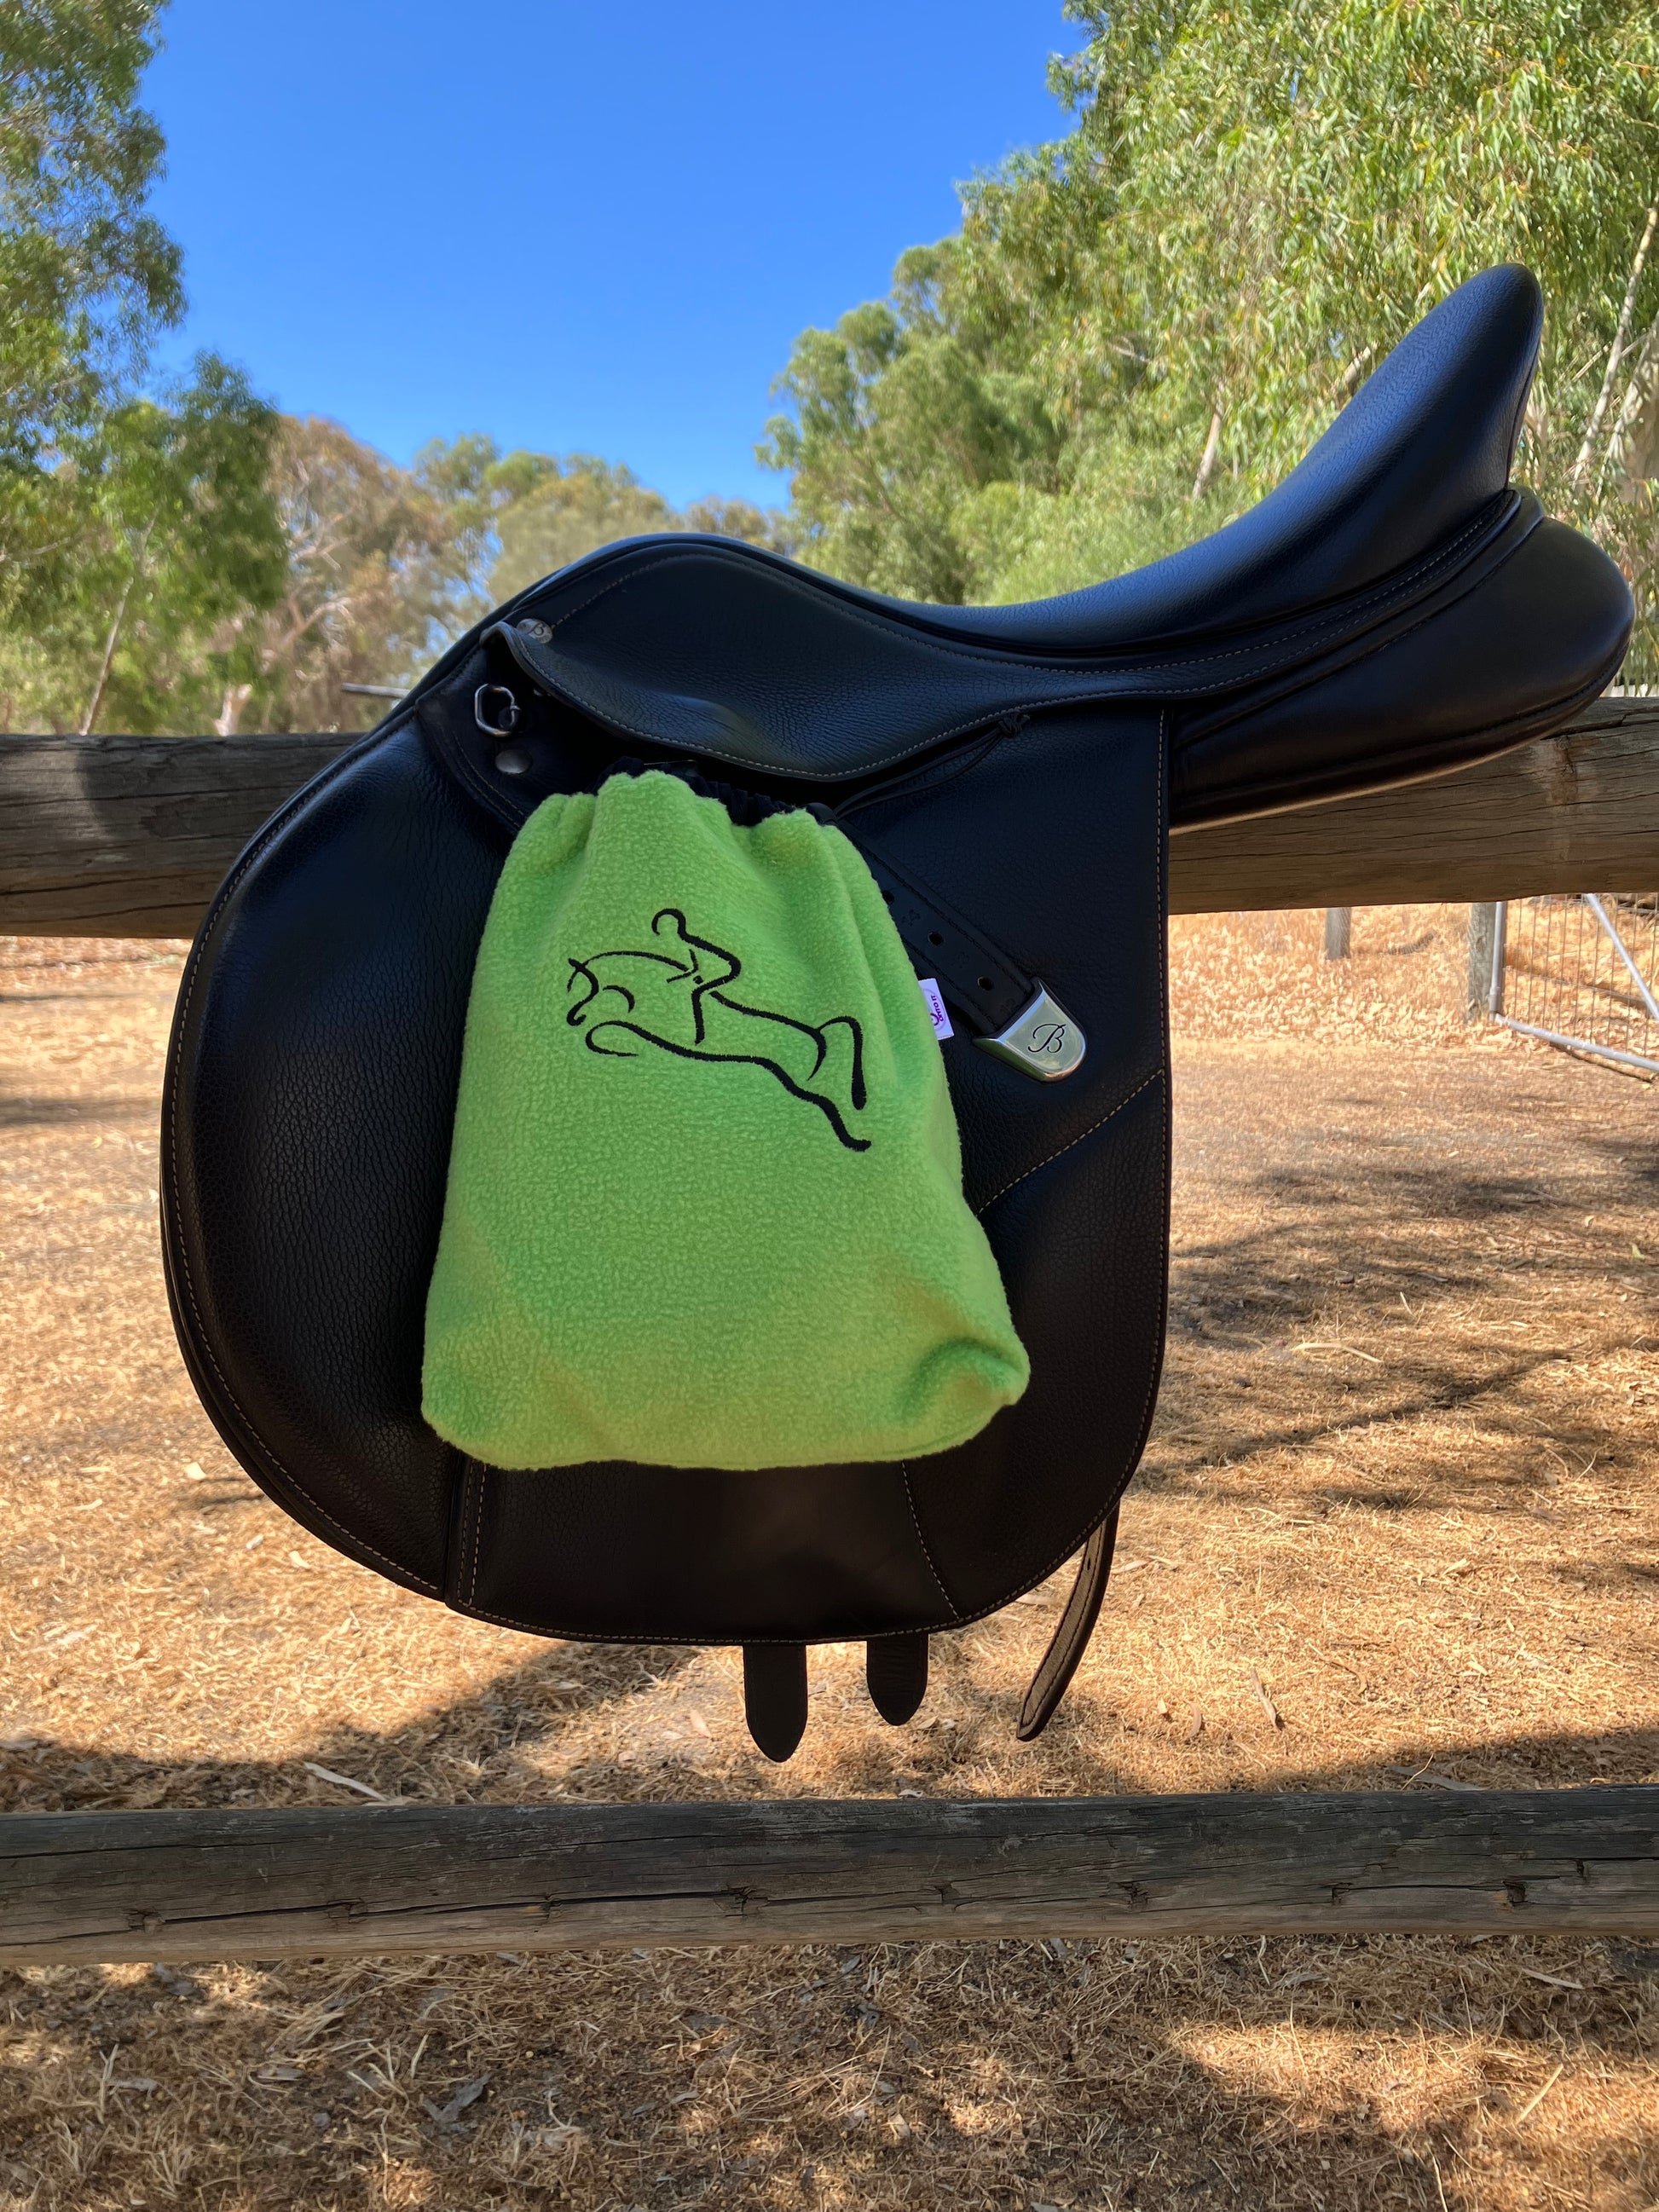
(705,1204)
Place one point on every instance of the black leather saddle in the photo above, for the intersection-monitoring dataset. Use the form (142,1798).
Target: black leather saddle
(1395,609)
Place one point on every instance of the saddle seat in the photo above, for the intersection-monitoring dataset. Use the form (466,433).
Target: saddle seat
(1369,552)
(1424,446)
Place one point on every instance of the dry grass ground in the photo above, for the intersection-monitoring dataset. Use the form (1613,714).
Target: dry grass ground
(1402,1473)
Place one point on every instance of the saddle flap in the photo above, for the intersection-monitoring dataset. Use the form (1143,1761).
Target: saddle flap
(693,646)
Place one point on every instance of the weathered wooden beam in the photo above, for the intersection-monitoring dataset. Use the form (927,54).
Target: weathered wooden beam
(1576,812)
(110,1887)
(130,836)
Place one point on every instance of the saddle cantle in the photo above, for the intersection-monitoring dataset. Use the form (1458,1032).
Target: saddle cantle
(1394,609)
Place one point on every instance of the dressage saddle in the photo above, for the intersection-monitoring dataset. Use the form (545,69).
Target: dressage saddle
(1395,609)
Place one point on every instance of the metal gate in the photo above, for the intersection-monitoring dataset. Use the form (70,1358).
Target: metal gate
(1581,972)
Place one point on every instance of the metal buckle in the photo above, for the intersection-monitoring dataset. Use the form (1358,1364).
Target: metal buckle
(1043,1040)
(491,729)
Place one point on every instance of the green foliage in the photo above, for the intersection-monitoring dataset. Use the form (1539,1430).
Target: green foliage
(87,276)
(175,536)
(383,565)
(739,518)
(1139,329)
(138,534)
(902,410)
(552,511)
(376,569)
(1298,184)
(547,511)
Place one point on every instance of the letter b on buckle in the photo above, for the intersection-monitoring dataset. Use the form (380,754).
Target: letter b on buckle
(1043,1039)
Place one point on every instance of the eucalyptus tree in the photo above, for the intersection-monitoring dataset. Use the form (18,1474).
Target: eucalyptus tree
(899,413)
(1256,199)
(88,277)
(176,539)
(1300,183)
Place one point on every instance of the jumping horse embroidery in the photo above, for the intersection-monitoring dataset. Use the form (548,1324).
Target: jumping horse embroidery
(678,999)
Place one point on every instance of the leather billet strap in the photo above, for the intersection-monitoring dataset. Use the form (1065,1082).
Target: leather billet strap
(895,1667)
(1010,1012)
(979,980)
(775,1696)
(1071,1637)
(896,1675)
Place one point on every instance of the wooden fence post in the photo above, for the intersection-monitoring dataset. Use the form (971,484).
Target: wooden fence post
(1483,942)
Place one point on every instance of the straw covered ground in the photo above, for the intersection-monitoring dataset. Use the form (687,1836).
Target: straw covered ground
(1397,1528)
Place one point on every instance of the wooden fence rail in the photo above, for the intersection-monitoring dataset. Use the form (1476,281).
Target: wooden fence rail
(130,836)
(126,836)
(169,1885)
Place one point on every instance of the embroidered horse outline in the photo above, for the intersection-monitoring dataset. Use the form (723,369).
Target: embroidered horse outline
(678,999)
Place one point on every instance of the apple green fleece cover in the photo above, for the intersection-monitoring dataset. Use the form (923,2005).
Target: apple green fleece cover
(704,1206)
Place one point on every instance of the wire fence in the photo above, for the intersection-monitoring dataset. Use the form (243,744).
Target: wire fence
(1581,972)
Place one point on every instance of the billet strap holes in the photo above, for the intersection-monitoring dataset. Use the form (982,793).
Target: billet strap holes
(1015,1018)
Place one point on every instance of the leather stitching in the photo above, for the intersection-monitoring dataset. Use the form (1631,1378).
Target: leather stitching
(1285,796)
(835,1636)
(1162,1070)
(1146,1406)
(1369,602)
(887,625)
(1276,650)
(478,1524)
(915,1521)
(1025,1175)
(279,823)
(705,1642)
(1151,1399)
(506,1620)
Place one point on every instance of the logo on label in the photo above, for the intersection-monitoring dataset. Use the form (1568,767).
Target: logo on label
(676,999)
(933,1000)
(1051,1037)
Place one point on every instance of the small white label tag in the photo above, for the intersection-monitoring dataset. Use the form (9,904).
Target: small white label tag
(935,1005)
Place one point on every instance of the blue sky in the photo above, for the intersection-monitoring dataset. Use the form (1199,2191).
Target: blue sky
(567,224)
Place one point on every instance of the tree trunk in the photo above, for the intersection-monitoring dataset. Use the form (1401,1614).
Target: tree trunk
(114,638)
(236,697)
(1211,447)
(1616,353)
(1631,406)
